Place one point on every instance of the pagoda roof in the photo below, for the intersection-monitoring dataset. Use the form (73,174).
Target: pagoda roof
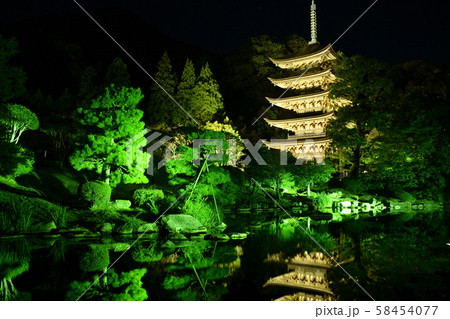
(303,97)
(294,142)
(300,119)
(307,57)
(305,81)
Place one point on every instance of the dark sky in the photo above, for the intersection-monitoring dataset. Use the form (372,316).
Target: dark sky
(393,30)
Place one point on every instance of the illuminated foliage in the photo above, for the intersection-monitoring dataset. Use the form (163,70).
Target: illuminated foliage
(147,198)
(125,286)
(360,81)
(12,78)
(207,99)
(111,121)
(117,74)
(95,259)
(161,105)
(18,119)
(185,92)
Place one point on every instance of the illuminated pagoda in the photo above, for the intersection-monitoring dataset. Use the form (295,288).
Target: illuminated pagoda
(313,64)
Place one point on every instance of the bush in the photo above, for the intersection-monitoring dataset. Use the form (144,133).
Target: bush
(95,259)
(203,212)
(15,219)
(97,194)
(322,200)
(147,198)
(60,216)
(15,160)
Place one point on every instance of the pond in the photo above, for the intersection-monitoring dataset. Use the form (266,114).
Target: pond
(392,259)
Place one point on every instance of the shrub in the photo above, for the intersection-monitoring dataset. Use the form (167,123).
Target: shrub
(95,193)
(203,212)
(60,216)
(15,220)
(14,159)
(95,259)
(147,198)
(322,200)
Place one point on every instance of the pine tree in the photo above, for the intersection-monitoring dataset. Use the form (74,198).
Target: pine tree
(206,100)
(185,92)
(87,88)
(161,105)
(12,78)
(112,120)
(117,74)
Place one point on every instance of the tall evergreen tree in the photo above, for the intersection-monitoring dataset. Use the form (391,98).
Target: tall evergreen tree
(87,89)
(117,74)
(161,105)
(12,78)
(206,100)
(185,92)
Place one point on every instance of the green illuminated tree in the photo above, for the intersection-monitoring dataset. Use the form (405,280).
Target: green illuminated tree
(124,286)
(111,121)
(295,43)
(17,118)
(360,81)
(207,99)
(117,74)
(412,148)
(185,92)
(12,78)
(87,88)
(161,105)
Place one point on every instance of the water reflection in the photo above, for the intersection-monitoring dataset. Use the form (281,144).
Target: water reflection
(394,259)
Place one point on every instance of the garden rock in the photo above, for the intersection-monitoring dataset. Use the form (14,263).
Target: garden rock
(182,223)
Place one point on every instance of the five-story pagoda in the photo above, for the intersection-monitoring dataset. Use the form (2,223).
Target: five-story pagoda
(313,64)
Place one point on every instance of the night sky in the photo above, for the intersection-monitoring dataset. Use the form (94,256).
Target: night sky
(392,30)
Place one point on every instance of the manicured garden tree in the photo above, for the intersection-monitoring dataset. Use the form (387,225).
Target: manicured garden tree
(17,118)
(111,121)
(12,78)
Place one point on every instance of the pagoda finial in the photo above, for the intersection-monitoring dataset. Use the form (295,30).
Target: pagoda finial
(313,24)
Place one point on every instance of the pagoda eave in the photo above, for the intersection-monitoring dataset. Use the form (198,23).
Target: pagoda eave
(325,54)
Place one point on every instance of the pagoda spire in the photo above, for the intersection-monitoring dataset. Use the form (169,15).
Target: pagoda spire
(313,24)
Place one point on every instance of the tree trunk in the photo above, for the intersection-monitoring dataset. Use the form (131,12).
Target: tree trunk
(107,174)
(356,159)
(308,192)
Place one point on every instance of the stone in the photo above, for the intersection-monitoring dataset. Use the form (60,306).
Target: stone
(238,236)
(182,223)
(42,228)
(221,227)
(120,247)
(124,229)
(178,237)
(122,203)
(148,228)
